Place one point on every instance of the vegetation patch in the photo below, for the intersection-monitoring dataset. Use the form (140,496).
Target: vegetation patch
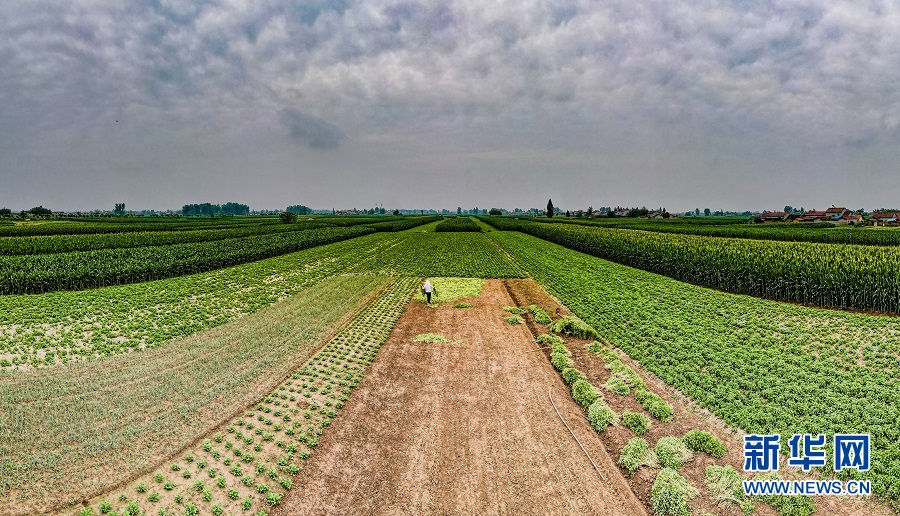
(784,504)
(513,310)
(458,224)
(449,290)
(571,325)
(671,493)
(725,485)
(672,452)
(584,393)
(462,305)
(600,415)
(635,454)
(514,319)
(701,441)
(636,422)
(540,316)
(430,338)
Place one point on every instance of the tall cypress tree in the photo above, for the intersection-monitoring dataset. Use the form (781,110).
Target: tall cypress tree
(549,208)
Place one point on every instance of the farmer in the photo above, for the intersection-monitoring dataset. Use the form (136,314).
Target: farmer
(427,288)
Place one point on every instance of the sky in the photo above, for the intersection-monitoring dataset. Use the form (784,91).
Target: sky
(735,105)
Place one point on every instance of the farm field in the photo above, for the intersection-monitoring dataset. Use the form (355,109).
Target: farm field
(249,462)
(115,417)
(828,275)
(762,366)
(821,232)
(463,426)
(243,388)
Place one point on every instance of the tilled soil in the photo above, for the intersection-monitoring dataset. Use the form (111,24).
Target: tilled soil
(464,427)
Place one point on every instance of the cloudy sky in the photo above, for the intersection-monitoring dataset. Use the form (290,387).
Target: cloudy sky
(740,104)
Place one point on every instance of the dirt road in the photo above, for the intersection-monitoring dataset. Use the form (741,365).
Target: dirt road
(460,428)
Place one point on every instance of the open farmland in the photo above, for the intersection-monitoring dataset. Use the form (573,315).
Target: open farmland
(830,275)
(762,366)
(116,417)
(821,232)
(243,388)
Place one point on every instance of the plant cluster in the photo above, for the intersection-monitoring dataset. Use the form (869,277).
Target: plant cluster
(458,224)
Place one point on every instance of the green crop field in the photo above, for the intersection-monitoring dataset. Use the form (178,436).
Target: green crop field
(832,275)
(762,366)
(133,364)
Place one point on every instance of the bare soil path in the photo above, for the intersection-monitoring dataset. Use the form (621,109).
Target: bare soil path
(460,428)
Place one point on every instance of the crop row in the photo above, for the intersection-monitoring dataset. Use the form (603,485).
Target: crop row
(252,462)
(762,366)
(465,255)
(824,232)
(830,275)
(71,430)
(78,227)
(89,269)
(461,224)
(74,326)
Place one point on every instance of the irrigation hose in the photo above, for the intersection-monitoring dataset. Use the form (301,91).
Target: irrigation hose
(575,436)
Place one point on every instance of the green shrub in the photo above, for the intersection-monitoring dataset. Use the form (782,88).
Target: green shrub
(559,360)
(462,305)
(105,507)
(701,441)
(571,375)
(617,385)
(635,454)
(153,497)
(672,453)
(670,493)
(540,315)
(725,485)
(514,319)
(571,325)
(636,422)
(601,416)
(594,347)
(584,393)
(654,404)
(549,338)
(513,310)
(87,511)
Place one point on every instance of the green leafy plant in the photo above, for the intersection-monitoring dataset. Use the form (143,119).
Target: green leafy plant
(671,492)
(601,416)
(635,454)
(701,441)
(636,422)
(672,452)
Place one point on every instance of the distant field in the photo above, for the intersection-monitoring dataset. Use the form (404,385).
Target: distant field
(829,275)
(823,232)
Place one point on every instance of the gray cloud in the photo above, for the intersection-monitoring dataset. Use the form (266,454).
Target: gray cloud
(604,81)
(311,130)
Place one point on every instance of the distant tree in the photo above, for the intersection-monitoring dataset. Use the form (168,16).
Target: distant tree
(396,213)
(299,209)
(549,208)
(288,217)
(495,211)
(697,212)
(706,212)
(590,212)
(568,214)
(789,209)
(459,210)
(119,209)
(4,212)
(40,210)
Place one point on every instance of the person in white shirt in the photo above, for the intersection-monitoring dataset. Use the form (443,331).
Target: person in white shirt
(427,288)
